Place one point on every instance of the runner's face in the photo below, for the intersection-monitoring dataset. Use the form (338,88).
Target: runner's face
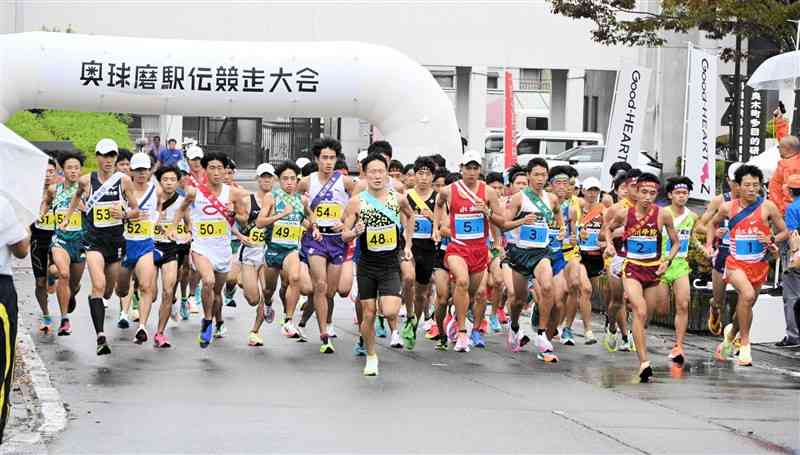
(397,174)
(411,179)
(749,188)
(537,178)
(265,182)
(216,172)
(106,162)
(288,181)
(140,176)
(679,197)
(560,187)
(646,194)
(438,184)
(72,170)
(592,195)
(376,175)
(423,178)
(326,160)
(50,175)
(124,166)
(471,172)
(169,182)
(520,182)
(195,165)
(229,175)
(498,188)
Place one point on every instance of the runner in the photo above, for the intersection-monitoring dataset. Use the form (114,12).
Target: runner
(374,216)
(233,280)
(441,275)
(644,261)
(531,213)
(173,252)
(417,294)
(472,205)
(103,216)
(67,248)
(194,156)
(212,209)
(677,275)
(495,285)
(749,220)
(184,245)
(140,251)
(722,251)
(41,238)
(590,265)
(579,291)
(328,192)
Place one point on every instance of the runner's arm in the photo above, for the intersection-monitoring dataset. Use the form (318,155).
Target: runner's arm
(713,225)
(439,212)
(269,217)
(130,199)
(407,218)
(668,223)
(46,200)
(349,232)
(702,224)
(83,182)
(496,211)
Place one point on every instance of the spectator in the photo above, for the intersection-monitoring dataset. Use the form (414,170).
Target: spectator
(154,149)
(14,240)
(788,165)
(779,123)
(791,276)
(170,155)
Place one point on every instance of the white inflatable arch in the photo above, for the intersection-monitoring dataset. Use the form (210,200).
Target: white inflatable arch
(178,77)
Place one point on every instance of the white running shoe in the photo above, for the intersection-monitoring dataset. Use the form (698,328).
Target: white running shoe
(395,340)
(331,331)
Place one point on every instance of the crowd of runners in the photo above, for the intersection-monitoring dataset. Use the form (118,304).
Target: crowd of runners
(419,250)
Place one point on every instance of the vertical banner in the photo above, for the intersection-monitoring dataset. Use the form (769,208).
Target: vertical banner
(509,148)
(700,136)
(624,137)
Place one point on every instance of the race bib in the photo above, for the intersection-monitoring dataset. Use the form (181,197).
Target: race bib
(748,248)
(74,224)
(555,242)
(101,215)
(328,211)
(287,233)
(533,236)
(139,230)
(161,229)
(257,236)
(46,222)
(212,229)
(642,247)
(382,238)
(423,227)
(469,226)
(683,249)
(592,242)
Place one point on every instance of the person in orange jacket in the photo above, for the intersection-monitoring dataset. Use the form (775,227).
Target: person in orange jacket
(789,164)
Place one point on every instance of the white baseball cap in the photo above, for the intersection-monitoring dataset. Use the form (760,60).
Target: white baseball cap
(591,182)
(140,161)
(194,152)
(732,170)
(106,146)
(302,161)
(265,168)
(470,156)
(362,154)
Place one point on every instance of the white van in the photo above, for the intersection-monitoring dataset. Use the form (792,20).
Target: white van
(535,143)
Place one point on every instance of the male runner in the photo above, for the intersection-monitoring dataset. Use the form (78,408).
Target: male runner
(677,275)
(41,238)
(578,291)
(212,214)
(494,279)
(472,205)
(755,225)
(194,156)
(103,215)
(518,181)
(441,275)
(644,261)
(375,216)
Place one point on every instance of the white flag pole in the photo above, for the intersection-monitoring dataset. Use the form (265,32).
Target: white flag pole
(686,104)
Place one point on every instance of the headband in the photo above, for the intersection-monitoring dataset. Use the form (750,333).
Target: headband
(559,177)
(653,184)
(681,186)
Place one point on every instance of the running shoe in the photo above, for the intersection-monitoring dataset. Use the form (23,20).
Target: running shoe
(676,354)
(254,340)
(269,314)
(409,334)
(141,336)
(123,322)
(289,331)
(645,372)
(330,330)
(161,341)
(625,345)
(65,329)
(714,320)
(441,344)
(501,315)
(515,341)
(380,328)
(462,342)
(358,349)
(744,359)
(476,339)
(433,332)
(221,331)
(327,348)
(184,310)
(494,324)
(72,304)
(301,337)
(394,341)
(452,330)
(102,346)
(610,341)
(484,327)
(589,338)
(193,305)
(545,349)
(205,336)
(371,366)
(47,322)
(134,315)
(566,336)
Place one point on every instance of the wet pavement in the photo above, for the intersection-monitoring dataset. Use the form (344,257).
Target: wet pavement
(287,397)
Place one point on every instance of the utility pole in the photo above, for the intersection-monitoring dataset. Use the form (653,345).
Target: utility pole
(733,152)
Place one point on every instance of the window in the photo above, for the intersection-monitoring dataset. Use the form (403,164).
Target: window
(536,123)
(595,102)
(445,80)
(492,81)
(585,113)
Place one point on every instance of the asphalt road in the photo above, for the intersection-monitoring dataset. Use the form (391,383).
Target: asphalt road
(287,397)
